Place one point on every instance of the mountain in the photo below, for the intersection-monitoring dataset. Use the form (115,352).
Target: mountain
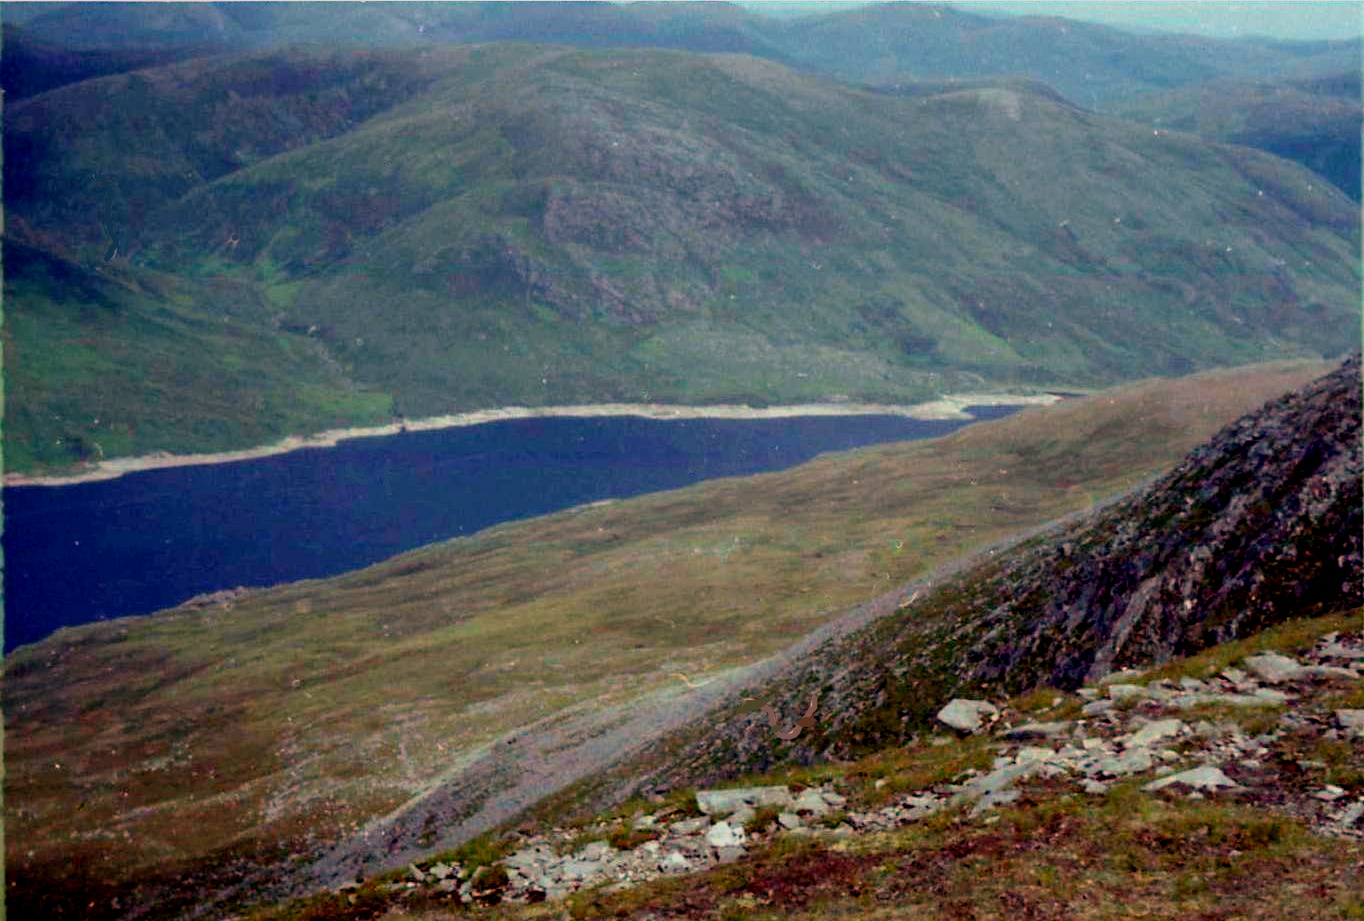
(1092,65)
(545,226)
(1260,525)
(232,745)
(1315,122)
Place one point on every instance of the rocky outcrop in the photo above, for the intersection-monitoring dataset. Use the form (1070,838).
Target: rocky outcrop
(1148,737)
(1260,525)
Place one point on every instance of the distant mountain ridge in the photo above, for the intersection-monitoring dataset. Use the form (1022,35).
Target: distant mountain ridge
(873,43)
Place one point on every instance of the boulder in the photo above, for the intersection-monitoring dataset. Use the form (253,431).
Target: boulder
(1121,692)
(713,802)
(1273,667)
(810,802)
(1153,732)
(722,834)
(1208,777)
(1034,731)
(1352,721)
(967,715)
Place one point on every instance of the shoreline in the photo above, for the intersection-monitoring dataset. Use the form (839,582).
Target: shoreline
(947,406)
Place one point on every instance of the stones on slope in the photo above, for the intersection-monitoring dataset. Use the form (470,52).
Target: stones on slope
(968,715)
(1111,742)
(536,872)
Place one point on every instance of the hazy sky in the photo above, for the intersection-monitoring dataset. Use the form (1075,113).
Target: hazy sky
(1295,19)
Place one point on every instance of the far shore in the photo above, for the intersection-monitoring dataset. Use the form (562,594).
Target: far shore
(948,406)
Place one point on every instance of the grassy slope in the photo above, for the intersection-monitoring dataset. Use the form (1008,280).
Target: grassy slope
(194,736)
(464,227)
(104,362)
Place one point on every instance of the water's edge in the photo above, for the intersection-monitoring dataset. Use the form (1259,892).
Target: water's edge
(948,406)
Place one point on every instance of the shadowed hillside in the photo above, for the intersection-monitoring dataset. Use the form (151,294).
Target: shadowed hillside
(1315,122)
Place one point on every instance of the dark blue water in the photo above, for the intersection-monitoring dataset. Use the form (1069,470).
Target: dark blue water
(150,540)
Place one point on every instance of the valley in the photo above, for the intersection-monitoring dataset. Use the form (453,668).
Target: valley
(316,283)
(348,697)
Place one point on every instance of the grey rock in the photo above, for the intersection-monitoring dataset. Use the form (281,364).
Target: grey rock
(789,820)
(1154,732)
(1032,754)
(740,816)
(1135,761)
(1352,721)
(1206,777)
(722,834)
(728,854)
(674,862)
(1273,667)
(1330,671)
(579,869)
(811,802)
(594,850)
(1033,731)
(1337,650)
(1121,692)
(1351,814)
(689,826)
(967,715)
(1095,707)
(712,802)
(996,798)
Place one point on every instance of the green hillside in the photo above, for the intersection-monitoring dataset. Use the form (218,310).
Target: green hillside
(458,228)
(1316,123)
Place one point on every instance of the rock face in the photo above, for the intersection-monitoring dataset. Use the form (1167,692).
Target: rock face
(1260,525)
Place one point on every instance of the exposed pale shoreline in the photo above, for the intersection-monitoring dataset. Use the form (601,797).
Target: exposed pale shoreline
(948,406)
